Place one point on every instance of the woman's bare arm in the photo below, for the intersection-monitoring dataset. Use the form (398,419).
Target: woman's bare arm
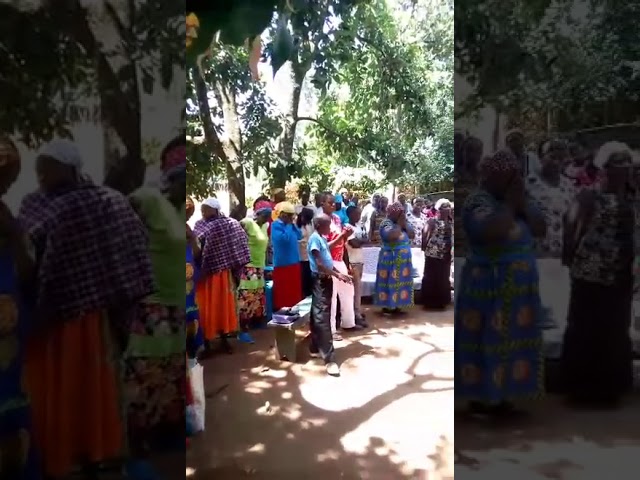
(426,234)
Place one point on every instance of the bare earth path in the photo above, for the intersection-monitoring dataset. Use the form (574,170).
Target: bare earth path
(554,442)
(389,416)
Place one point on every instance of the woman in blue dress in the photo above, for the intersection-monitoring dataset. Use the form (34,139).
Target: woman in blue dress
(498,339)
(17,458)
(394,276)
(195,336)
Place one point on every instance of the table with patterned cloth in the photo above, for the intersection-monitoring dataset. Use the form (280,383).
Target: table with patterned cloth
(371,263)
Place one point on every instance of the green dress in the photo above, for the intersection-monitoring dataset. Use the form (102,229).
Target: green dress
(155,357)
(251,297)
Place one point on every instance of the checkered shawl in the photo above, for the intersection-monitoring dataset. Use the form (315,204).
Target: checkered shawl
(225,245)
(92,251)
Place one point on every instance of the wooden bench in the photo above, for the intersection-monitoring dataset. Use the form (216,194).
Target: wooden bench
(285,334)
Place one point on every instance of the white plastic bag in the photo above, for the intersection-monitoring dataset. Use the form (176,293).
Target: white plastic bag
(196,373)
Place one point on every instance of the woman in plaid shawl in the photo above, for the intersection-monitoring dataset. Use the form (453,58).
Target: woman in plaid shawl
(92,269)
(154,360)
(225,251)
(17,460)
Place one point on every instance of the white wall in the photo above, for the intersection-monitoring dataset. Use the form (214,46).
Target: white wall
(163,104)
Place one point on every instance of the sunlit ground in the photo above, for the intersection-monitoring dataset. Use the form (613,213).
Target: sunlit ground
(390,414)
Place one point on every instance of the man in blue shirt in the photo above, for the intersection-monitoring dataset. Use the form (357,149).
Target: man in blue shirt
(323,272)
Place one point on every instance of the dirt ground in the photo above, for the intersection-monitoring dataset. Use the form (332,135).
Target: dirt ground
(554,442)
(389,415)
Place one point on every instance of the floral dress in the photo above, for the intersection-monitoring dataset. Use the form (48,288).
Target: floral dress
(498,341)
(553,201)
(394,276)
(417,224)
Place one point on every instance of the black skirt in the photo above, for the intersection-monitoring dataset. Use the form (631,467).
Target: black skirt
(597,357)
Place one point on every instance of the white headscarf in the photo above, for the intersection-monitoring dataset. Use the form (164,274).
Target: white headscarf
(608,149)
(213,203)
(441,202)
(64,151)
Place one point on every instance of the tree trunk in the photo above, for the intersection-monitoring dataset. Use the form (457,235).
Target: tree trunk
(297,72)
(119,99)
(228,150)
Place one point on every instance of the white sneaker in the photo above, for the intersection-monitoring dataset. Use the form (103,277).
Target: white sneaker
(333,369)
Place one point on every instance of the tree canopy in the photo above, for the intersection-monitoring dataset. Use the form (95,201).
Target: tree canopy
(56,58)
(543,55)
(381,79)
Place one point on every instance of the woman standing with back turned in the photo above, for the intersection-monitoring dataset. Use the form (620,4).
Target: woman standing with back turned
(224,252)
(154,359)
(498,339)
(84,309)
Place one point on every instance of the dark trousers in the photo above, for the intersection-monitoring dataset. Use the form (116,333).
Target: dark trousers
(320,321)
(307,280)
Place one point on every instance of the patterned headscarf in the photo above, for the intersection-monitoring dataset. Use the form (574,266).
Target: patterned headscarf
(395,209)
(262,206)
(499,165)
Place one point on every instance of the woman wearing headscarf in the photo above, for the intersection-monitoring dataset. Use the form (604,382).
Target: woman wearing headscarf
(93,270)
(154,360)
(498,339)
(279,197)
(251,295)
(287,273)
(597,356)
(436,244)
(552,193)
(377,217)
(394,276)
(225,251)
(16,276)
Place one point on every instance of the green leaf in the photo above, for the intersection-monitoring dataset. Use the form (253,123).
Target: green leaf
(283,46)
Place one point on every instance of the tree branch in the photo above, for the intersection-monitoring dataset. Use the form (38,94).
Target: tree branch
(210,134)
(330,130)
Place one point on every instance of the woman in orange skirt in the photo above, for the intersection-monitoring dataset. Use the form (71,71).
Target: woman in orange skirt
(82,311)
(224,251)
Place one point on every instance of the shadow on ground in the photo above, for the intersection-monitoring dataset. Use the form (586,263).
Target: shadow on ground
(553,442)
(389,416)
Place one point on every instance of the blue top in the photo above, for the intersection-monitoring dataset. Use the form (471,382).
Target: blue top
(13,334)
(319,243)
(342,214)
(284,239)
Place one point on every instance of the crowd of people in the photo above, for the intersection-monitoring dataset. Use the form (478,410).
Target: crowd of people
(567,204)
(315,249)
(92,318)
